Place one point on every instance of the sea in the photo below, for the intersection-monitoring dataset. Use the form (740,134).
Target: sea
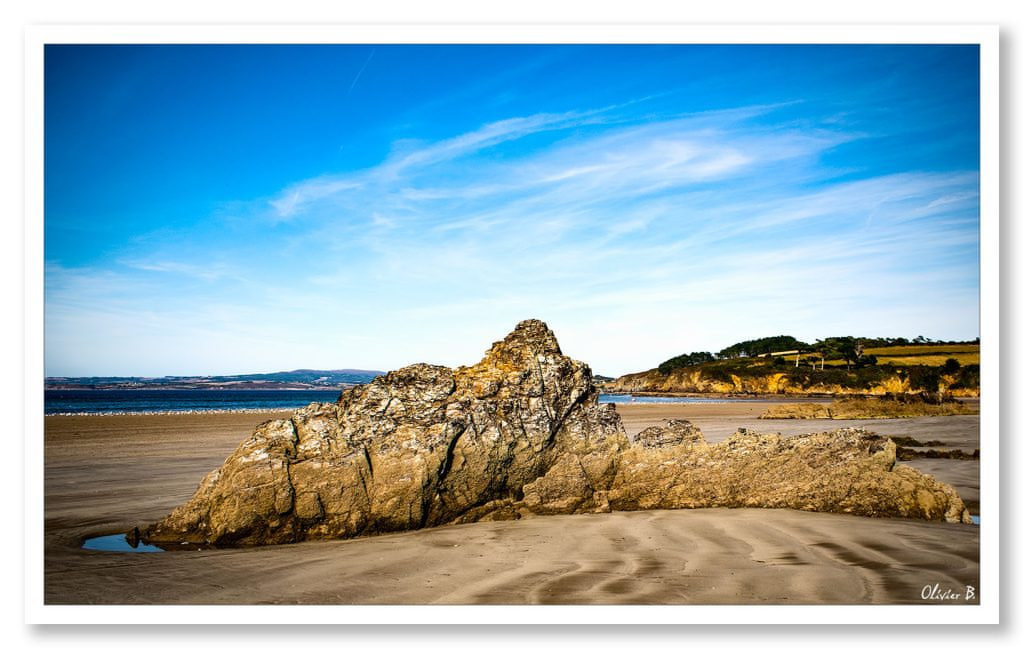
(629,398)
(109,402)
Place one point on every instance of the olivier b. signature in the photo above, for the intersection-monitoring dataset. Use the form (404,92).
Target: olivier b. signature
(935,592)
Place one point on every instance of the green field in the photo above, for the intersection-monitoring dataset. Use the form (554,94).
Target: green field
(928,355)
(923,350)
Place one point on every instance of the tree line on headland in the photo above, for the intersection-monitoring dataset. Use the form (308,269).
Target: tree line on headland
(783,364)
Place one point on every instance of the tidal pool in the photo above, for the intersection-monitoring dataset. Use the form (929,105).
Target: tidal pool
(117,543)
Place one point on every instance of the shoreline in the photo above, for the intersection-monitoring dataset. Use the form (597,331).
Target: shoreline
(700,399)
(739,396)
(161,413)
(766,396)
(703,399)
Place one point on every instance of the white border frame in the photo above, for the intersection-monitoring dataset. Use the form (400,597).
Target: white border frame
(986,36)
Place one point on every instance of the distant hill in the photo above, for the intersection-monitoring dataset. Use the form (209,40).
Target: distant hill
(304,379)
(323,377)
(839,365)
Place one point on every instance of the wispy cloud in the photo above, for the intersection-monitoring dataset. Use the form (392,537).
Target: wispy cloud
(458,186)
(412,156)
(293,199)
(355,79)
(680,148)
(604,194)
(207,271)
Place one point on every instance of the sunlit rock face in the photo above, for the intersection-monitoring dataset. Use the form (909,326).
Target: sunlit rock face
(520,433)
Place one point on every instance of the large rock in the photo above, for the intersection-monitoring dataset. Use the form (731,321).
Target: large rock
(519,433)
(848,470)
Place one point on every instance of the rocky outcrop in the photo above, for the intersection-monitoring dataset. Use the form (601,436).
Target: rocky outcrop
(904,453)
(674,433)
(517,434)
(869,408)
(423,445)
(847,470)
(694,381)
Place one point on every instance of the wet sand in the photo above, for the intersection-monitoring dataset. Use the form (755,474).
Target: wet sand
(106,474)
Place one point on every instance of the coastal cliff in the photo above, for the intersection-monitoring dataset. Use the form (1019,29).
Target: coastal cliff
(520,433)
(698,381)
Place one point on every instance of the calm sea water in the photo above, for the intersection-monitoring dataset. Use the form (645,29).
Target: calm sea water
(628,398)
(117,401)
(113,401)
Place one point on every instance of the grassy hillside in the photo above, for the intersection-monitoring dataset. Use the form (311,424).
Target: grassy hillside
(908,355)
(950,369)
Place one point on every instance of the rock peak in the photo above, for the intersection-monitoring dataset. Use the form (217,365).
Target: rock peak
(528,340)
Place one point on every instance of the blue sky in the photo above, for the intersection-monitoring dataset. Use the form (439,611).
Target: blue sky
(224,209)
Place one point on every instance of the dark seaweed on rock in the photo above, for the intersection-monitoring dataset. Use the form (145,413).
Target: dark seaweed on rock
(904,453)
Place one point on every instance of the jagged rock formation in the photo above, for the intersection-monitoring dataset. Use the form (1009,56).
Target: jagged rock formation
(519,433)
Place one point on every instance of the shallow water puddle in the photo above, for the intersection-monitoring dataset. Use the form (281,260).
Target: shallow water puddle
(117,543)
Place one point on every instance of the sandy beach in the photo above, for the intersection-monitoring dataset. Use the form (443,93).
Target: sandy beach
(105,474)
